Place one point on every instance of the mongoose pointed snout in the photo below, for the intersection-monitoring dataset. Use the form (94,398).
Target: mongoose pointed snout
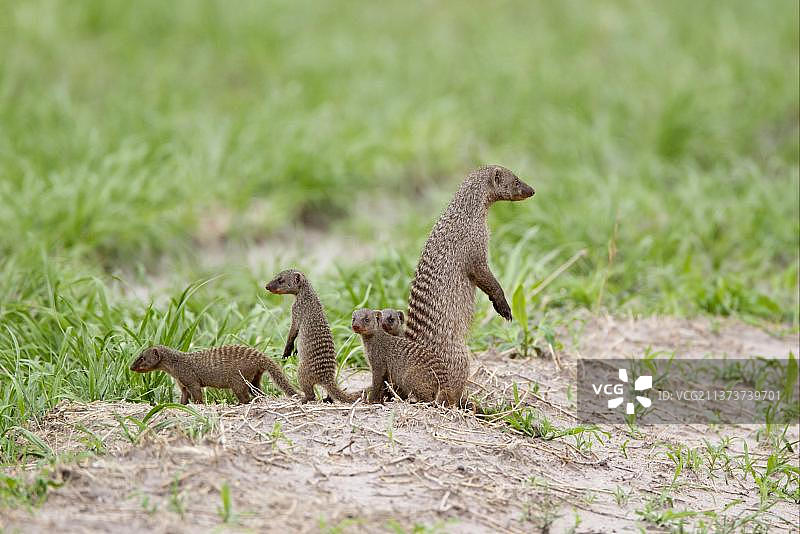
(524,191)
(275,288)
(140,366)
(359,326)
(148,360)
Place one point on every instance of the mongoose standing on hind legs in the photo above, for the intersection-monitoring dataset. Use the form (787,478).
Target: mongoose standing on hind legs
(233,366)
(315,344)
(408,367)
(455,261)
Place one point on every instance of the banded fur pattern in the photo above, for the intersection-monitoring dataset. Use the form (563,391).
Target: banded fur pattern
(316,349)
(410,368)
(313,335)
(441,298)
(234,367)
(454,262)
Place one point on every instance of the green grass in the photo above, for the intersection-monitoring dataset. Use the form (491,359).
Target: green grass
(661,139)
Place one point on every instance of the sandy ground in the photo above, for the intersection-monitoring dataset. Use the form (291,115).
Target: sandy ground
(402,467)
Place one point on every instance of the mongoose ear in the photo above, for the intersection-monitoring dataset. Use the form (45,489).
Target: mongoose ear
(158,355)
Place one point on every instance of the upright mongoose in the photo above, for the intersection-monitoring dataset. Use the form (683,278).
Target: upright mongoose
(455,261)
(315,346)
(233,366)
(408,367)
(393,321)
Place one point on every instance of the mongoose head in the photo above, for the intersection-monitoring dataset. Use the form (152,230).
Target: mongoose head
(504,184)
(366,321)
(148,360)
(288,281)
(392,321)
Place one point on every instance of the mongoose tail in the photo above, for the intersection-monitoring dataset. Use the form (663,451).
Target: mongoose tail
(312,334)
(276,373)
(455,261)
(338,394)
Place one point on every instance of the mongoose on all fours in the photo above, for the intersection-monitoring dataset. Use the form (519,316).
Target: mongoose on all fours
(410,368)
(313,334)
(393,321)
(235,367)
(454,262)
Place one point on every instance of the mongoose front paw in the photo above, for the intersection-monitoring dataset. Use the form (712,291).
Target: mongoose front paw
(503,309)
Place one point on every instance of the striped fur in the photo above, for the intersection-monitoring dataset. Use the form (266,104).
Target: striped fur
(314,339)
(234,367)
(409,368)
(454,262)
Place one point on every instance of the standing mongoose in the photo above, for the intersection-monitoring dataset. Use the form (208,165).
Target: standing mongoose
(315,344)
(393,321)
(455,261)
(410,368)
(233,366)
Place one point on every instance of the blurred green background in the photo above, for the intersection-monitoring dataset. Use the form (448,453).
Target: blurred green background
(148,145)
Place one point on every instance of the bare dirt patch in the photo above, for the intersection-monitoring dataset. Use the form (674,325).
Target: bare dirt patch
(338,468)
(613,337)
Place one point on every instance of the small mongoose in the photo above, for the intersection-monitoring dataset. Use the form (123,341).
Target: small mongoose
(455,261)
(315,344)
(410,368)
(393,321)
(234,367)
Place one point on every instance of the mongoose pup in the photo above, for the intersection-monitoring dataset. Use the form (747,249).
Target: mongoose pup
(393,321)
(455,261)
(315,343)
(457,363)
(410,368)
(233,366)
